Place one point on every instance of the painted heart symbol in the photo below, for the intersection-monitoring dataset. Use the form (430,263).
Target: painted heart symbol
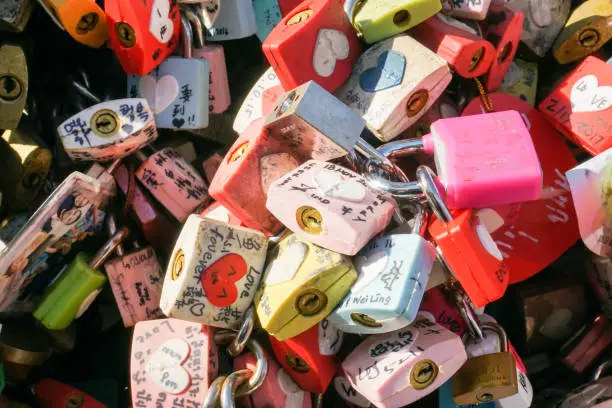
(332,45)
(178,122)
(160,25)
(294,395)
(219,279)
(587,96)
(165,366)
(284,268)
(158,93)
(369,268)
(388,73)
(333,185)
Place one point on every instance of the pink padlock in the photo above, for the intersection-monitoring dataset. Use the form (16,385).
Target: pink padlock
(211,165)
(397,368)
(173,182)
(172,363)
(278,390)
(330,206)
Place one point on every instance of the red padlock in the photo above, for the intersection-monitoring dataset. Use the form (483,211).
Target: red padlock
(54,394)
(503,29)
(580,106)
(316,41)
(309,357)
(458,43)
(142,33)
(437,307)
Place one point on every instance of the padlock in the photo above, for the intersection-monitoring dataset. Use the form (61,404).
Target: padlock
(389,90)
(586,31)
(172,181)
(234,20)
(302,284)
(470,9)
(587,344)
(320,33)
(318,199)
(397,368)
(260,100)
(442,108)
(579,106)
(55,394)
(521,80)
(487,377)
(244,176)
(108,130)
(376,21)
(267,16)
(592,394)
(177,90)
(214,271)
(24,345)
(172,363)
(458,42)
(309,357)
(544,20)
(503,29)
(84,20)
(438,307)
(348,393)
(14,15)
(211,165)
(218,212)
(467,248)
(393,273)
(26,163)
(156,227)
(71,213)
(278,389)
(76,288)
(142,34)
(13,84)
(136,280)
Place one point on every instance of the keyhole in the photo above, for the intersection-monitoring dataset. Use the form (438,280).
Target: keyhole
(126,35)
(364,320)
(178,264)
(588,38)
(486,397)
(10,88)
(423,374)
(416,102)
(311,302)
(87,23)
(286,104)
(505,52)
(74,400)
(401,18)
(310,220)
(476,59)
(105,123)
(300,17)
(297,363)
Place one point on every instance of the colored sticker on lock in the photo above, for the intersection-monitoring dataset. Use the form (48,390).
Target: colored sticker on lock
(388,73)
(219,280)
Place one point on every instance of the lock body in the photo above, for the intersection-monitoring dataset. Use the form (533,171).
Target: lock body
(319,199)
(397,368)
(171,360)
(348,393)
(578,110)
(586,31)
(521,80)
(70,296)
(267,16)
(108,131)
(443,108)
(320,33)
(242,181)
(13,84)
(502,29)
(54,394)
(389,90)
(393,274)
(177,92)
(235,19)
(457,43)
(438,308)
(309,357)
(580,351)
(214,272)
(136,280)
(219,98)
(473,10)
(302,285)
(173,182)
(218,212)
(383,19)
(142,34)
(14,15)
(85,21)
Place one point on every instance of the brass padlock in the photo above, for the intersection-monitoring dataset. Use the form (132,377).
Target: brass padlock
(13,84)
(488,377)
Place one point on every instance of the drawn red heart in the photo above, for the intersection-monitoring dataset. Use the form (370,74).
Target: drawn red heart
(546,228)
(219,279)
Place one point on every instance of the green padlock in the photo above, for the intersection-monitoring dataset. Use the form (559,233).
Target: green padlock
(72,293)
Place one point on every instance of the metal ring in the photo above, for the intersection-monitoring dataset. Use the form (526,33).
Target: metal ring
(369,152)
(402,190)
(425,178)
(214,393)
(230,385)
(239,342)
(197,26)
(600,369)
(110,245)
(400,148)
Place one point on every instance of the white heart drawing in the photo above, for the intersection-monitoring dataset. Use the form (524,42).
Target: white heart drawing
(165,366)
(333,185)
(160,25)
(294,395)
(369,268)
(331,45)
(330,338)
(587,96)
(158,93)
(514,74)
(284,268)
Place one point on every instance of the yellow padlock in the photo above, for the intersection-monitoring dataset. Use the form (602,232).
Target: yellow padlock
(587,29)
(302,285)
(521,80)
(84,20)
